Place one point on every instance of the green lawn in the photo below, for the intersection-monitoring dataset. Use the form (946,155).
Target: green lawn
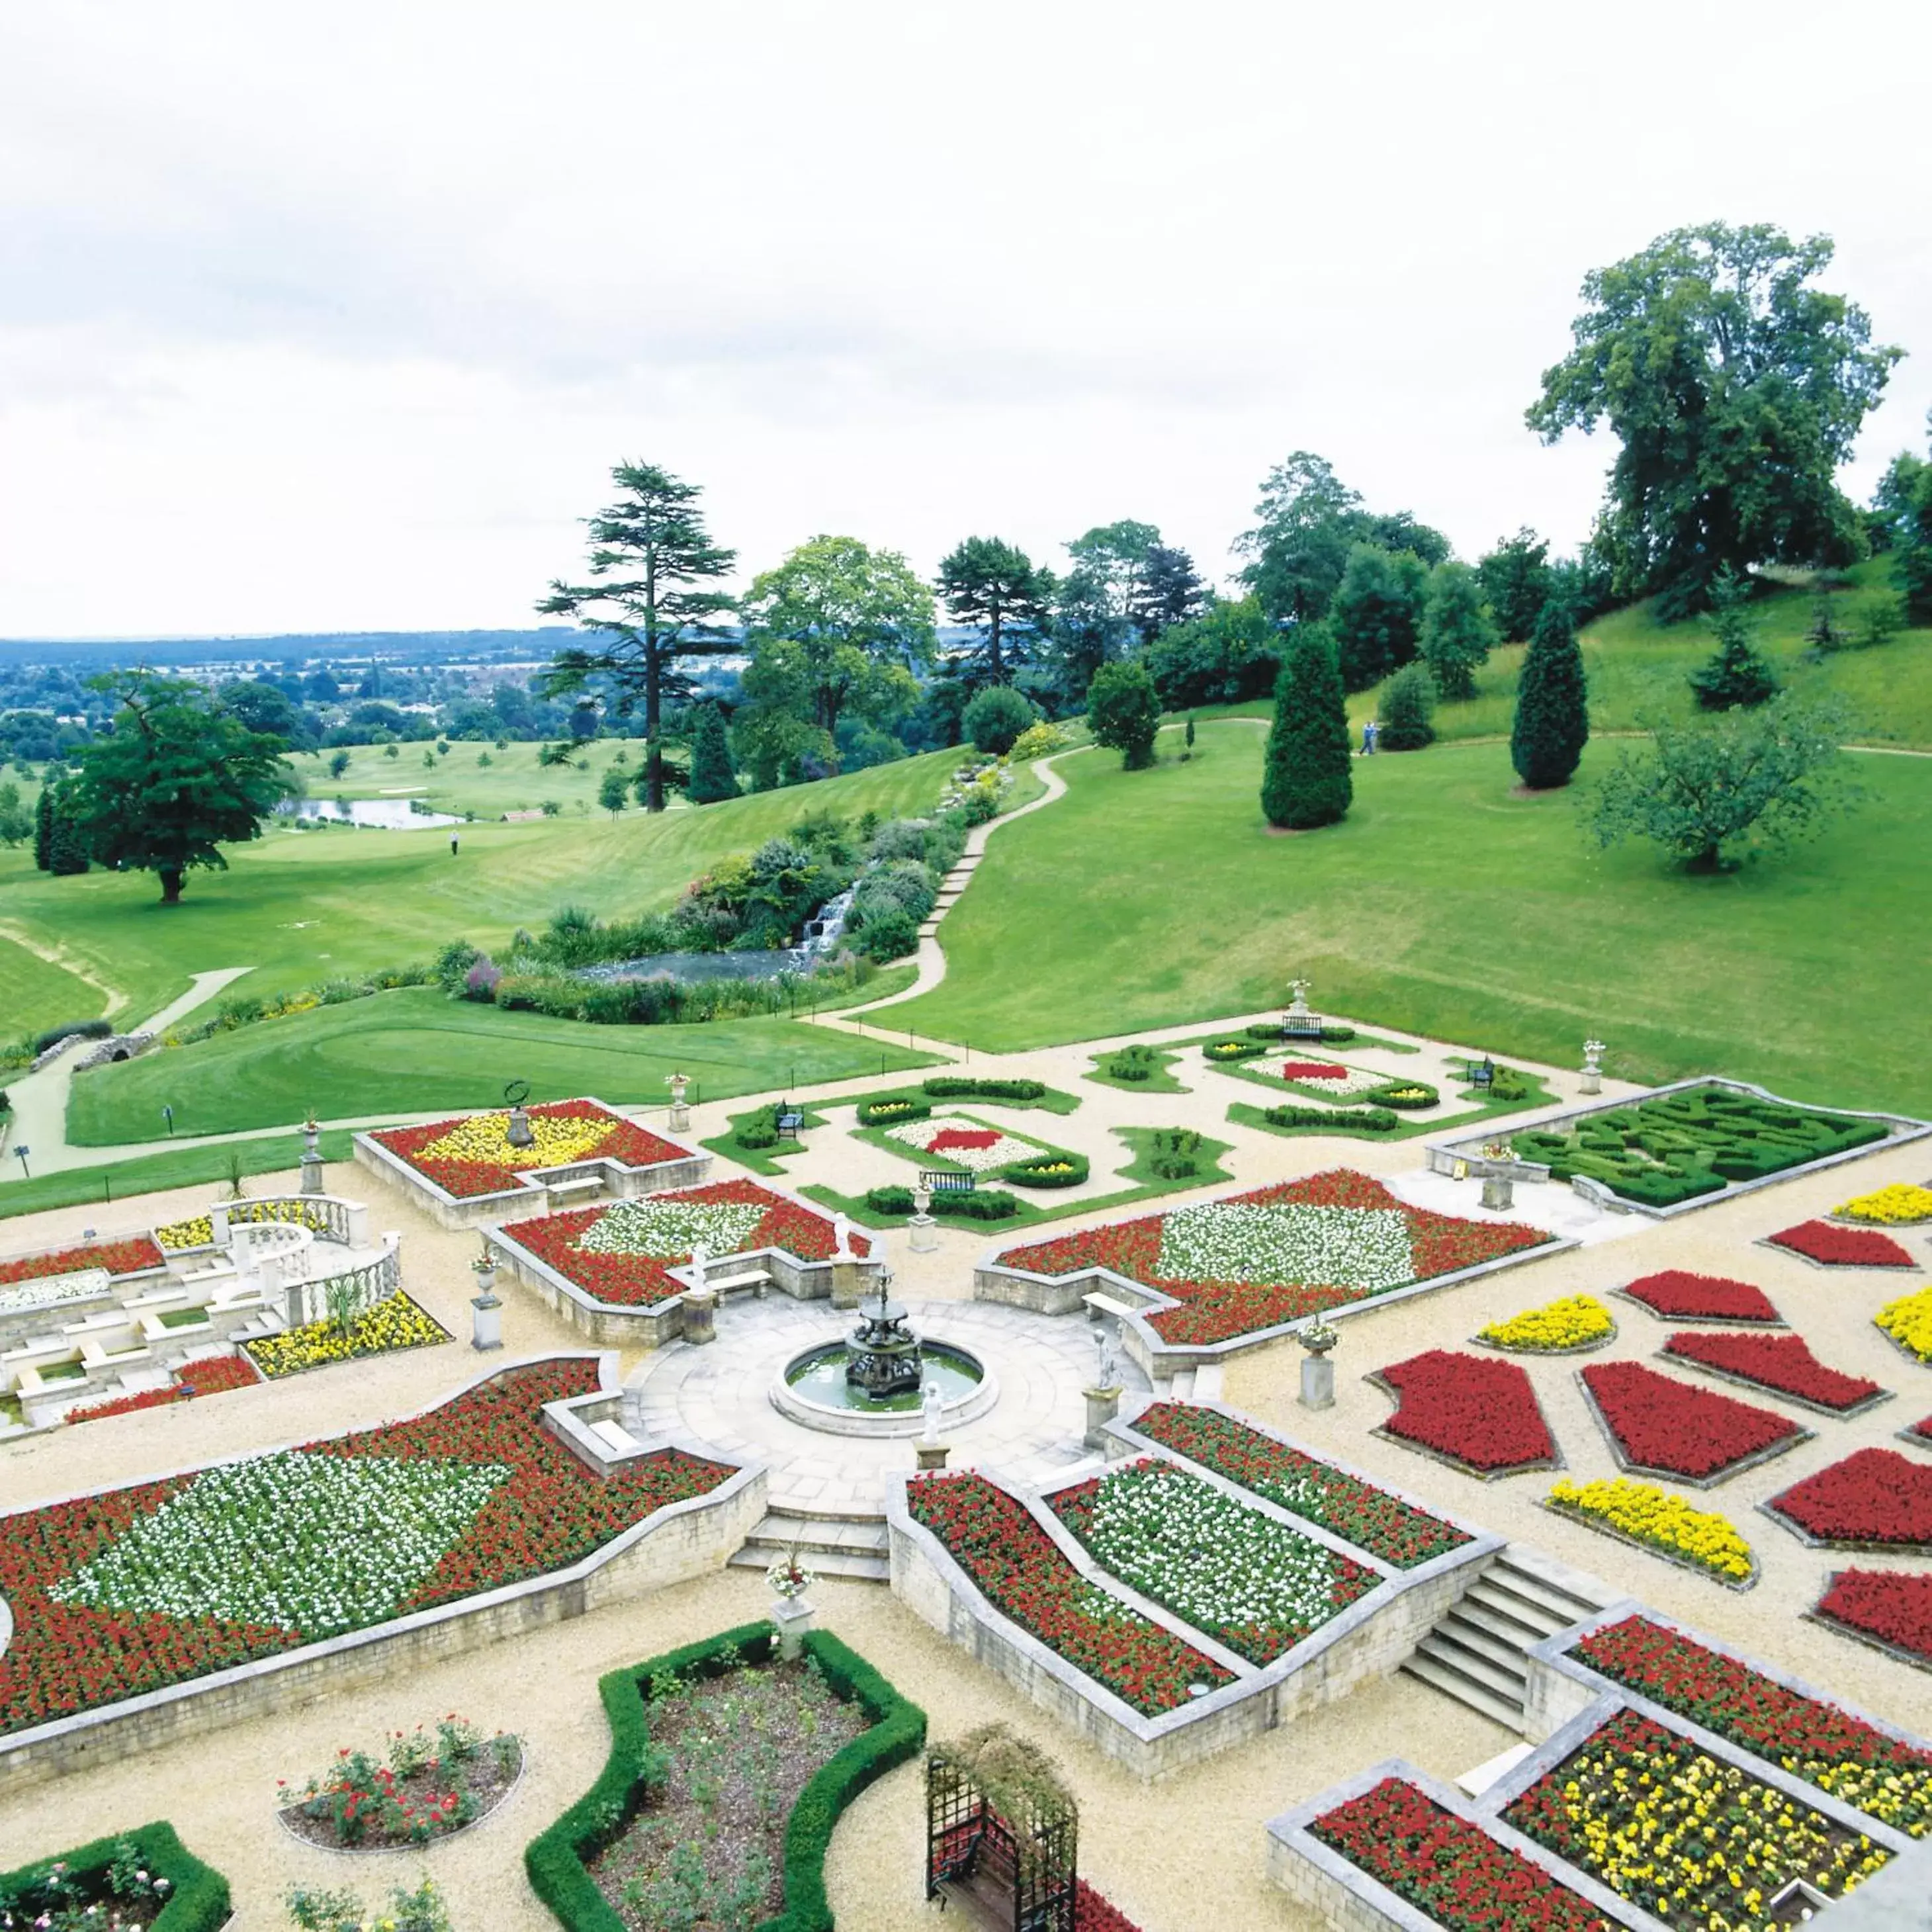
(149,1174)
(1447,907)
(298,906)
(34,994)
(415,1051)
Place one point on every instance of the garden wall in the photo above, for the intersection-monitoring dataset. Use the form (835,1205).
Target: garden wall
(682,1540)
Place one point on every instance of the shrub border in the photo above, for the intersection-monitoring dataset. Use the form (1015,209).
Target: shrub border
(554,1858)
(201,1902)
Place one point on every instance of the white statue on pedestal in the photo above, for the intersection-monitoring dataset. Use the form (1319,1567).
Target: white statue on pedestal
(842,1238)
(930,1405)
(701,1260)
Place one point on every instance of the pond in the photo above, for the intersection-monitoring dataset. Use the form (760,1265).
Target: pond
(385,815)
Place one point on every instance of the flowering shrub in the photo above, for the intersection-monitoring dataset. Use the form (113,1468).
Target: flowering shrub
(1369,1518)
(1022,1573)
(393,1324)
(1449,1869)
(1646,1514)
(211,1375)
(1784,1363)
(472,1154)
(432,1784)
(1696,1842)
(1662,1427)
(1228,1050)
(1888,1605)
(1873,1496)
(1272,1255)
(126,1590)
(1900,1204)
(1908,1321)
(117,1258)
(1475,1410)
(1575,1322)
(1248,1581)
(1841,1247)
(1841,1754)
(1679,1296)
(623,1254)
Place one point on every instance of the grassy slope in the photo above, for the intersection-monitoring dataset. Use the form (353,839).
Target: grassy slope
(1446,906)
(415,1051)
(298,906)
(34,994)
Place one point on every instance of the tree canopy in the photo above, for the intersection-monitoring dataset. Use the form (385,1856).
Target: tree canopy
(1123,713)
(1736,389)
(1516,578)
(1376,614)
(178,777)
(1457,634)
(987,581)
(646,606)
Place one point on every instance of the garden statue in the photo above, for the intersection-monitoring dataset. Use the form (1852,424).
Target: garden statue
(841,1239)
(1107,1370)
(701,1260)
(1593,1066)
(518,1132)
(930,1404)
(486,1319)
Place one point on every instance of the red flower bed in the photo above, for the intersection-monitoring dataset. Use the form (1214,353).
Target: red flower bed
(1215,1310)
(1313,1069)
(551,1512)
(1815,1740)
(1448,1868)
(1369,1518)
(1784,1363)
(1895,1608)
(1873,1495)
(116,1257)
(638,1281)
(1842,1247)
(948,1138)
(1665,1427)
(1679,1296)
(627,1143)
(1022,1572)
(1472,1409)
(1092,1913)
(209,1376)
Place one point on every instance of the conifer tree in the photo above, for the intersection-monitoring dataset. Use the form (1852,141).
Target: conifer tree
(43,828)
(1553,716)
(711,776)
(1306,779)
(66,844)
(1735,676)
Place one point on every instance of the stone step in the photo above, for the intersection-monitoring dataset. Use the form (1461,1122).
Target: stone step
(1465,1689)
(1506,1659)
(860,1566)
(1500,1617)
(1557,1606)
(1181,1387)
(781,1530)
(1207,1382)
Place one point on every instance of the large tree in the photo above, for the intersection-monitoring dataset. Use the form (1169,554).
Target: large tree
(1377,613)
(1168,591)
(1124,713)
(1768,775)
(852,622)
(1457,634)
(1515,580)
(646,607)
(989,582)
(1905,498)
(1306,780)
(1736,389)
(1231,652)
(176,778)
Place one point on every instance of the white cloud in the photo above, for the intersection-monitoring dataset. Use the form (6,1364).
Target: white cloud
(339,318)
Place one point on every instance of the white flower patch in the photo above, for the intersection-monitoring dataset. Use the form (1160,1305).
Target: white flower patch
(671,1230)
(316,1544)
(49,1291)
(1211,1560)
(1354,1080)
(1365,1248)
(1004,1150)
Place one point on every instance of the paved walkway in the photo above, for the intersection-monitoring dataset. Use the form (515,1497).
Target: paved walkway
(721,1393)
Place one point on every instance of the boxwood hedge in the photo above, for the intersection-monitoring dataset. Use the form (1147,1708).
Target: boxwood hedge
(200,1902)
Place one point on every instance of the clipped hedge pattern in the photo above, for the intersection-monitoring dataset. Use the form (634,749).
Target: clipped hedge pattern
(957,1087)
(555,1858)
(983,1204)
(201,1901)
(1352,1120)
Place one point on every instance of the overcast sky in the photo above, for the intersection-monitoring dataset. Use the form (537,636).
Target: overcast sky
(338,317)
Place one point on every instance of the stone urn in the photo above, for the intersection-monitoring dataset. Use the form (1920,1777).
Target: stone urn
(486,1307)
(792,1610)
(1318,1372)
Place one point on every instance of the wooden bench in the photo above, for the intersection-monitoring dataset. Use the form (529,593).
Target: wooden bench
(789,1120)
(948,1179)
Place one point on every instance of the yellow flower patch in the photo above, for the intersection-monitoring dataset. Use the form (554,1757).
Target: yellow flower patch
(1908,1321)
(198,1230)
(1650,1515)
(485,1139)
(393,1324)
(1891,1206)
(1571,1323)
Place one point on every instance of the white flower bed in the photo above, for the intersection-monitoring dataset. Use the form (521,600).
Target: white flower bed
(1365,1248)
(1007,1149)
(672,1229)
(49,1291)
(1354,1079)
(1219,1564)
(299,1541)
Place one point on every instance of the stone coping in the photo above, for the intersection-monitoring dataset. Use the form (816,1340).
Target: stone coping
(134,1723)
(887,1423)
(995,1280)
(1444,1156)
(1250,1705)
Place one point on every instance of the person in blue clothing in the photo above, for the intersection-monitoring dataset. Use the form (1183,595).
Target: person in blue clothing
(1368,738)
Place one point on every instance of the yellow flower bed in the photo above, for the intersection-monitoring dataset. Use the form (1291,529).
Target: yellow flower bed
(1665,1522)
(1568,1324)
(485,1137)
(1908,1321)
(1892,1206)
(198,1230)
(195,1232)
(393,1324)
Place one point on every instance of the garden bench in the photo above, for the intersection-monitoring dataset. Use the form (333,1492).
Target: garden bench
(789,1120)
(1481,1073)
(1307,1028)
(756,1279)
(591,1182)
(1108,1304)
(615,1436)
(948,1180)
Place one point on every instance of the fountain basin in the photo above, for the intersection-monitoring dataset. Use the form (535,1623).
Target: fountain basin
(812,1389)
